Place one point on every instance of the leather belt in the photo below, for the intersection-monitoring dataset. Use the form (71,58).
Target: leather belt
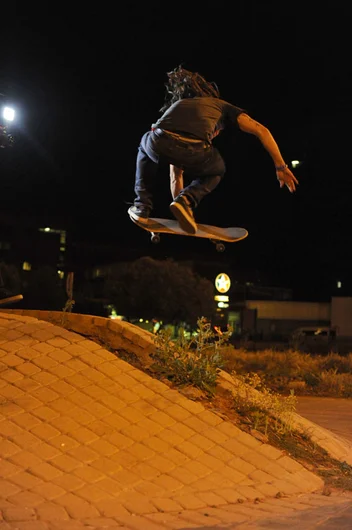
(178,136)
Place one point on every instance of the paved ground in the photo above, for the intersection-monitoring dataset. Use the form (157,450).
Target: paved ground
(307,512)
(331,413)
(88,441)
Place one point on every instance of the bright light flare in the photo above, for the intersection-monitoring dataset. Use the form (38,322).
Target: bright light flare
(8,114)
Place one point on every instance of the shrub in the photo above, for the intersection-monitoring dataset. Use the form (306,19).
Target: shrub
(333,361)
(254,398)
(195,361)
(333,383)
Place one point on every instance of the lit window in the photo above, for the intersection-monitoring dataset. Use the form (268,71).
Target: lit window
(98,273)
(26,266)
(339,285)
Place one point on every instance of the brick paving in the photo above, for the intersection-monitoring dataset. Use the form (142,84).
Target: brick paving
(89,441)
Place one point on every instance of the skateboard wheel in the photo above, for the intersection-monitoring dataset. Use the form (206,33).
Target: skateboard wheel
(220,247)
(155,238)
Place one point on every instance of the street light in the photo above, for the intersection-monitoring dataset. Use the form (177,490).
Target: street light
(8,114)
(6,138)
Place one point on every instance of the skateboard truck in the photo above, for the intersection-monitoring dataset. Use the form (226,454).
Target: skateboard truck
(155,238)
(220,247)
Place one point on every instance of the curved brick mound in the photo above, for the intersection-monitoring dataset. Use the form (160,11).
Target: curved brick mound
(85,434)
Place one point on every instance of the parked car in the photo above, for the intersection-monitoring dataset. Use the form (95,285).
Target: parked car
(314,339)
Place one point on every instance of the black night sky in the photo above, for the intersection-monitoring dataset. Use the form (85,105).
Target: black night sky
(87,81)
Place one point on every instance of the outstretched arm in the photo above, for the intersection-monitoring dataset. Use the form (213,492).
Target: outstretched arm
(283,173)
(176,180)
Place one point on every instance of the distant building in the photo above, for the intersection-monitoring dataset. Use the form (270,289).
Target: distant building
(27,245)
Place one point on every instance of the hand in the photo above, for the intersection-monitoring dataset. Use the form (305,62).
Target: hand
(287,178)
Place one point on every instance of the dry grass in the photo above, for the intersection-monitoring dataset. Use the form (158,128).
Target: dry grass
(328,375)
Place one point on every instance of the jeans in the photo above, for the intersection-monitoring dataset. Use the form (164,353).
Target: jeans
(200,161)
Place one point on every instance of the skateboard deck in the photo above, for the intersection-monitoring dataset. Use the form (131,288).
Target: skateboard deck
(215,234)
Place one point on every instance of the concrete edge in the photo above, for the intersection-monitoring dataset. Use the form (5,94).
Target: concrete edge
(337,447)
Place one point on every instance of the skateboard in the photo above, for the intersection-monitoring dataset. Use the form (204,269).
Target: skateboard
(215,234)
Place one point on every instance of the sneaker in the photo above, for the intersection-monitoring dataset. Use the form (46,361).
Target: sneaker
(181,209)
(139,214)
(6,297)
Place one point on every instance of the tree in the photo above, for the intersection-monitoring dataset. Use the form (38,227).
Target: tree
(148,288)
(10,277)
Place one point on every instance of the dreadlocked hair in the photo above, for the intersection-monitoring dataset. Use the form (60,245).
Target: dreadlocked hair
(185,84)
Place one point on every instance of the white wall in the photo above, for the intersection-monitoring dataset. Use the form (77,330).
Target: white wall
(276,310)
(341,315)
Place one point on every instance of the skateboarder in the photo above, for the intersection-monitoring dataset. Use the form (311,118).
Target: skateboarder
(193,114)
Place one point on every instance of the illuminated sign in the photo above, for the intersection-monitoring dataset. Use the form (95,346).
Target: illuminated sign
(221,298)
(222,282)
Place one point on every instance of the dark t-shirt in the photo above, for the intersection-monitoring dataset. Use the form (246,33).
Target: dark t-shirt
(199,117)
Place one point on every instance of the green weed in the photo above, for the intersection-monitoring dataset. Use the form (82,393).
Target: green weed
(190,361)
(253,398)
